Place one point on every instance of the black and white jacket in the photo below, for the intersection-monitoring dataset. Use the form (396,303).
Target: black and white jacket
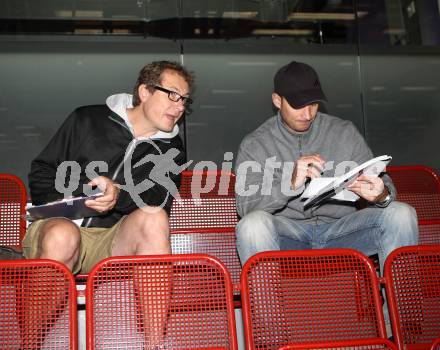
(102,133)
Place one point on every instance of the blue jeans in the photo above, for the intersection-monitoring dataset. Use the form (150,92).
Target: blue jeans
(370,230)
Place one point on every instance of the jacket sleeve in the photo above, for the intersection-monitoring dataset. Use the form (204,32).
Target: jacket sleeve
(362,153)
(259,180)
(44,167)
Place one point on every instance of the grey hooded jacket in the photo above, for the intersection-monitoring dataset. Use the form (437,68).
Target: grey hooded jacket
(265,162)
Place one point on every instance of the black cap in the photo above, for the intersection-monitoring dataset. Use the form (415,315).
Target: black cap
(299,84)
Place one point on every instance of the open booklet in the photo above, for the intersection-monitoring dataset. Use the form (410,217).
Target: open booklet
(323,188)
(71,208)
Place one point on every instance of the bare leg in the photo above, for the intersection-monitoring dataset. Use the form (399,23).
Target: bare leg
(147,233)
(143,233)
(59,240)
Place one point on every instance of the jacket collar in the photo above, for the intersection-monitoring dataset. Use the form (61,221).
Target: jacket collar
(305,136)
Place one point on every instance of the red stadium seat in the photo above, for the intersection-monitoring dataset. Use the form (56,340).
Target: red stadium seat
(304,296)
(412,276)
(12,210)
(419,186)
(364,344)
(38,305)
(204,221)
(436,344)
(208,202)
(167,302)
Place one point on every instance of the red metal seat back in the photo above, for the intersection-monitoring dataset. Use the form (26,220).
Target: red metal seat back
(436,344)
(38,305)
(303,296)
(168,301)
(205,220)
(413,288)
(208,202)
(218,243)
(418,186)
(363,344)
(12,210)
(429,233)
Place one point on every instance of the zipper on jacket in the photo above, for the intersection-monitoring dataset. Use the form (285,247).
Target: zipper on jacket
(88,221)
(308,211)
(132,146)
(126,127)
(122,124)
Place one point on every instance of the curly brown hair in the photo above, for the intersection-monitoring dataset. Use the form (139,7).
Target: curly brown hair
(151,75)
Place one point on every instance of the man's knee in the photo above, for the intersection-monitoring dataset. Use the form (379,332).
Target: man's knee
(256,233)
(151,221)
(400,213)
(401,219)
(257,224)
(59,236)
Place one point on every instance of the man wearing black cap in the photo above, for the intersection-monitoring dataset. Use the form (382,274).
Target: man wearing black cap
(276,161)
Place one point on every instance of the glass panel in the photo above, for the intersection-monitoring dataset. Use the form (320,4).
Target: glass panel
(90,17)
(27,9)
(401,105)
(400,70)
(233,93)
(42,83)
(304,22)
(84,9)
(234,46)
(399,22)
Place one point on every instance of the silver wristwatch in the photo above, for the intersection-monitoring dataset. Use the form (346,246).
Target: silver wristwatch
(387,200)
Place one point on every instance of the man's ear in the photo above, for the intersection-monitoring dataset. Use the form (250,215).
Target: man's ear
(276,100)
(143,92)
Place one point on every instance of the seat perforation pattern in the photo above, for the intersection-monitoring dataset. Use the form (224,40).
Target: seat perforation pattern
(12,203)
(300,299)
(419,186)
(207,201)
(415,273)
(191,295)
(364,344)
(222,245)
(38,305)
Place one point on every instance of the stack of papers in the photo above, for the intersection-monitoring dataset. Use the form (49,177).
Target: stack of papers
(71,208)
(323,188)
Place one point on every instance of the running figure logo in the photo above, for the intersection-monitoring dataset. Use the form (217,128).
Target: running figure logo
(163,165)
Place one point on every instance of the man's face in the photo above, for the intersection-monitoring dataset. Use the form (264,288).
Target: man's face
(298,120)
(159,111)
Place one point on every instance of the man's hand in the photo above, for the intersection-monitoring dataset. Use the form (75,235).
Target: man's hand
(307,167)
(108,200)
(370,188)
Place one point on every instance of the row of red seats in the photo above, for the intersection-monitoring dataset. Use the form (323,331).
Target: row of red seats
(290,299)
(204,221)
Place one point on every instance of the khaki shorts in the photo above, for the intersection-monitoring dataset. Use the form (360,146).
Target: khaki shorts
(96,244)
